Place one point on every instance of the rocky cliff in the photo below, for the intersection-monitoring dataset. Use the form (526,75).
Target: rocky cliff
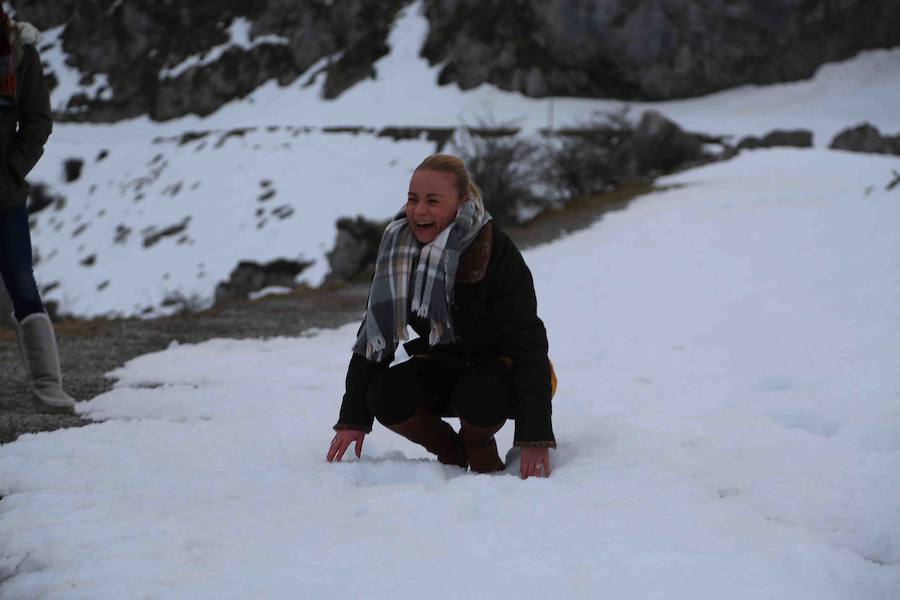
(168,58)
(648,49)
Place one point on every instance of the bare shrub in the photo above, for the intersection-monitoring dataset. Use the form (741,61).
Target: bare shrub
(586,159)
(504,165)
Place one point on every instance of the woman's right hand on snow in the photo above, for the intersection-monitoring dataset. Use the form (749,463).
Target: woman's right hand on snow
(342,440)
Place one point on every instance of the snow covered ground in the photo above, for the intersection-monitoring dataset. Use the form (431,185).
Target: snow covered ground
(93,255)
(728,419)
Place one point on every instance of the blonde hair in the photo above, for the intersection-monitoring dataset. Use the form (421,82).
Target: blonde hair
(446,163)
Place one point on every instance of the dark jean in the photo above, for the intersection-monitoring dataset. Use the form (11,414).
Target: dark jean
(15,263)
(481,395)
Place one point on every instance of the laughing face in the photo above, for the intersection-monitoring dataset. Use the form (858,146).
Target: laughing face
(432,203)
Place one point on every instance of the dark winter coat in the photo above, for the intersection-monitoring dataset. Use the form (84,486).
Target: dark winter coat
(24,128)
(494,315)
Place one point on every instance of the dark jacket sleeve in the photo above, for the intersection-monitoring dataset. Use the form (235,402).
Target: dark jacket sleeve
(524,340)
(35,122)
(355,413)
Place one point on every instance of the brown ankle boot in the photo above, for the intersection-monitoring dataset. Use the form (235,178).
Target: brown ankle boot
(481,447)
(428,429)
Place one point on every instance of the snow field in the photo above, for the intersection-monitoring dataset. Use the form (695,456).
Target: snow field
(727,416)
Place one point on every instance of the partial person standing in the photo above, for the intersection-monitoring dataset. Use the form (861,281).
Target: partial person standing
(25,125)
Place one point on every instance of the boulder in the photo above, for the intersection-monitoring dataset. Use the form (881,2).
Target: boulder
(355,249)
(792,138)
(72,169)
(866,138)
(250,276)
(658,144)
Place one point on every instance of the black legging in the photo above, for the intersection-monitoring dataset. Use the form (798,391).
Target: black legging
(480,395)
(15,263)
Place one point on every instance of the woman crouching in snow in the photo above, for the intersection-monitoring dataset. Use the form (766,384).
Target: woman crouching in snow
(445,269)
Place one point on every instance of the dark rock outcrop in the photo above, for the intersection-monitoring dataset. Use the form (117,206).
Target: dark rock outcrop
(355,249)
(866,138)
(793,138)
(251,276)
(72,169)
(658,145)
(439,135)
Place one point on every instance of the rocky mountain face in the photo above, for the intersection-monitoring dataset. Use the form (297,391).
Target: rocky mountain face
(168,58)
(155,53)
(648,49)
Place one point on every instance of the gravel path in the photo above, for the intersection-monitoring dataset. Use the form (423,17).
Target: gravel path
(90,349)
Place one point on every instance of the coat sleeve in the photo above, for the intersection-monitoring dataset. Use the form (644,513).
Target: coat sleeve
(35,121)
(524,340)
(355,413)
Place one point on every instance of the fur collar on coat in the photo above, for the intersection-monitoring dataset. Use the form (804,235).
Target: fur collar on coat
(20,34)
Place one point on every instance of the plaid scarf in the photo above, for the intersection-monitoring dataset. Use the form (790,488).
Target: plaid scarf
(433,281)
(7,64)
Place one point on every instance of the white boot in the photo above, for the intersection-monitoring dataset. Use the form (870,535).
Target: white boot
(40,354)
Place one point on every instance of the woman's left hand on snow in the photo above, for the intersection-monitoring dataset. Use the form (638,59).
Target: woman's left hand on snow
(534,462)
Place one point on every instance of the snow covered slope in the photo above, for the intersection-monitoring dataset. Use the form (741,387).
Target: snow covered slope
(259,195)
(93,255)
(727,417)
